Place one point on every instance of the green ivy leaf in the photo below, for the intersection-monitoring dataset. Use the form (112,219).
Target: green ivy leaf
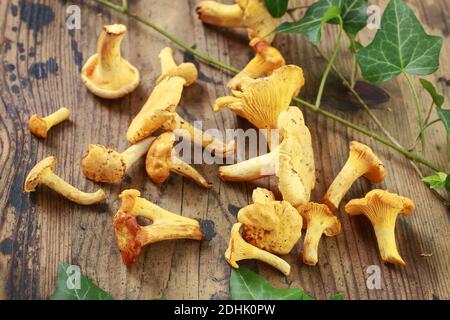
(437,181)
(277,8)
(88,290)
(315,17)
(354,15)
(400,46)
(438,99)
(248,285)
(447,183)
(338,296)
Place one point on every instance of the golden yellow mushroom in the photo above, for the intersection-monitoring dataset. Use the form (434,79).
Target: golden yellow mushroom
(292,161)
(266,60)
(274,226)
(169,68)
(250,14)
(318,220)
(362,161)
(131,237)
(40,126)
(239,250)
(106,74)
(103,164)
(43,173)
(382,208)
(261,101)
(161,162)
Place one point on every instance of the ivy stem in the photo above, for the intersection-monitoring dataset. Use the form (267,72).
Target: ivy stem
(354,62)
(419,109)
(310,106)
(330,64)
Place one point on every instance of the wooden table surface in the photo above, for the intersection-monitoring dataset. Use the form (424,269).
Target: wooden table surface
(39,72)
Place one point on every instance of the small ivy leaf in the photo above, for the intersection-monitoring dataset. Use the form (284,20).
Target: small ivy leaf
(87,289)
(277,8)
(248,285)
(400,46)
(354,15)
(315,17)
(338,296)
(447,183)
(437,98)
(444,115)
(437,181)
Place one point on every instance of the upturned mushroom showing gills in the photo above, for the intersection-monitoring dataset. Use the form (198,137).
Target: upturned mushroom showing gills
(42,173)
(362,161)
(161,162)
(261,101)
(292,161)
(266,60)
(239,250)
(382,208)
(102,164)
(132,237)
(274,226)
(106,74)
(318,220)
(40,126)
(169,68)
(250,14)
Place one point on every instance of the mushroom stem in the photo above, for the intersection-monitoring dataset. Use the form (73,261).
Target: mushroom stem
(251,169)
(167,61)
(136,151)
(272,260)
(182,168)
(108,49)
(57,117)
(222,15)
(57,184)
(313,235)
(385,234)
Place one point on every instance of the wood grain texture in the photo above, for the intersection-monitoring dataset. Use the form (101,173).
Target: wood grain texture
(39,72)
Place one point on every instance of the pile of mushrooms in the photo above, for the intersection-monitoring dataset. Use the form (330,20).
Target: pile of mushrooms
(261,93)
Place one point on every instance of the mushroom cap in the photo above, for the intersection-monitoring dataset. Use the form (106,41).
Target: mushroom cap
(296,168)
(262,195)
(371,164)
(234,251)
(186,70)
(260,101)
(110,85)
(377,203)
(34,176)
(38,126)
(103,164)
(274,226)
(159,157)
(159,108)
(258,19)
(126,227)
(320,213)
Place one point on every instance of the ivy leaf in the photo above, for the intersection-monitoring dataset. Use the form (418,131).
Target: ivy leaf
(315,17)
(354,15)
(444,115)
(447,183)
(248,285)
(277,8)
(338,296)
(87,291)
(400,46)
(438,99)
(437,181)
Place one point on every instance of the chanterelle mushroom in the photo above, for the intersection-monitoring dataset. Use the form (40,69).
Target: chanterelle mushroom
(362,161)
(319,220)
(106,74)
(274,226)
(103,164)
(261,101)
(43,173)
(169,68)
(131,237)
(382,209)
(266,60)
(161,161)
(250,14)
(292,161)
(40,126)
(239,250)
